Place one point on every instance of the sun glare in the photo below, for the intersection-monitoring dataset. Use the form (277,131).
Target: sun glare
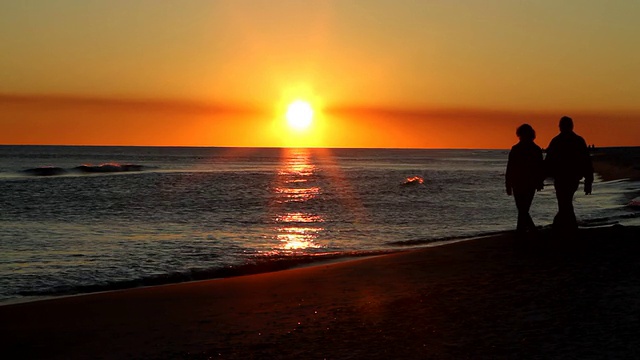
(299,115)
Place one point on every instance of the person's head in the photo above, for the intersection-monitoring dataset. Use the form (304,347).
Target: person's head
(526,133)
(566,124)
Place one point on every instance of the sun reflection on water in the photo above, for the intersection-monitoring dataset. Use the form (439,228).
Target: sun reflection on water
(298,238)
(297,195)
(297,226)
(299,218)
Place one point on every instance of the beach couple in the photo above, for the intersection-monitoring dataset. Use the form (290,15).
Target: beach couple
(567,162)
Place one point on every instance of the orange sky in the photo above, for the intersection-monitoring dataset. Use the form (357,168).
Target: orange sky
(379,73)
(73,121)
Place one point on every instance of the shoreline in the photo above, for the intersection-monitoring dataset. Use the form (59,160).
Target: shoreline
(617,163)
(278,265)
(493,297)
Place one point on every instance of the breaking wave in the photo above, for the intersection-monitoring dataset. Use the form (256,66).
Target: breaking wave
(85,169)
(413,181)
(45,171)
(262,264)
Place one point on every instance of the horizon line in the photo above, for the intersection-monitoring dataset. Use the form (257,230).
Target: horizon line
(287,147)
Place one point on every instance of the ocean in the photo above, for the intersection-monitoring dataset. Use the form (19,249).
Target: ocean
(84,219)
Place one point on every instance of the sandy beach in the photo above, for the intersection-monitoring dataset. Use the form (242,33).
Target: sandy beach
(494,297)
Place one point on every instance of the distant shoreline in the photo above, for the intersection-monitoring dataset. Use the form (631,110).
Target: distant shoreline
(617,163)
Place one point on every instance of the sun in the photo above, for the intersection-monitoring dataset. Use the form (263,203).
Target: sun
(299,115)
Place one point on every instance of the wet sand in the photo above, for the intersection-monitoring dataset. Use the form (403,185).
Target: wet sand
(490,298)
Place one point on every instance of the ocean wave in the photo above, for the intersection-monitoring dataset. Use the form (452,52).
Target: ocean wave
(420,242)
(109,168)
(45,171)
(256,265)
(85,169)
(413,181)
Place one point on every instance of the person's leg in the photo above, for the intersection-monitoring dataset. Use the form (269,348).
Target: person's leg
(524,198)
(566,217)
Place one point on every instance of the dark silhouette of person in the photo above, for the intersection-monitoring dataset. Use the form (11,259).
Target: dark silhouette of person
(525,175)
(567,162)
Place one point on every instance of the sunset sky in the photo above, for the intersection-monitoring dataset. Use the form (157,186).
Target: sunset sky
(432,74)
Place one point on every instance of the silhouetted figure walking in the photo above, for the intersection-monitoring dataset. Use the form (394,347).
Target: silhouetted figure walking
(525,175)
(568,161)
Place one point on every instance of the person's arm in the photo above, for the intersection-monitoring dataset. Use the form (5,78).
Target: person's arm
(549,159)
(541,170)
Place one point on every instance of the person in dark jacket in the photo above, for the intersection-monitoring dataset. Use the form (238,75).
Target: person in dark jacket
(567,162)
(525,175)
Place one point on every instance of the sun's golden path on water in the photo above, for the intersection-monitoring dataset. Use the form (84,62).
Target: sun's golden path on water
(292,187)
